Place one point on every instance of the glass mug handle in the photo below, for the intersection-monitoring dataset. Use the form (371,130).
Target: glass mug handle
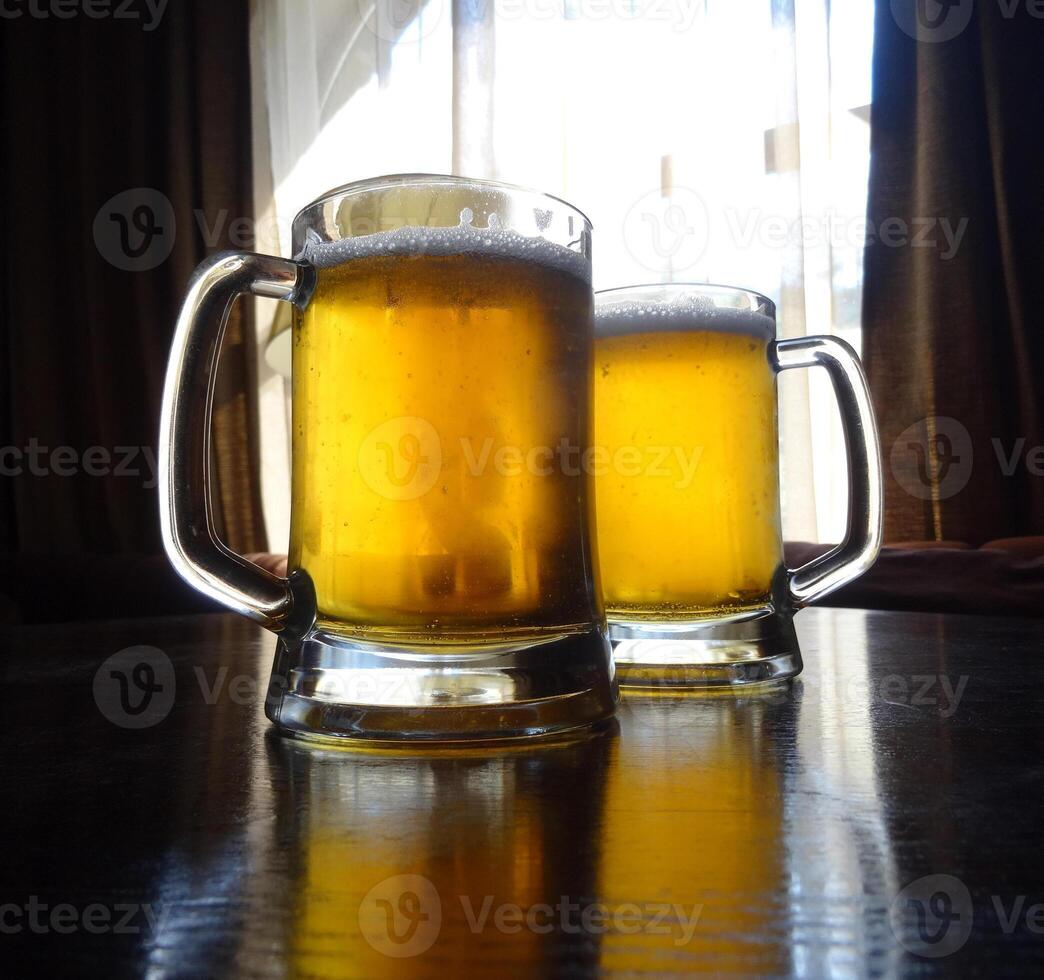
(862,542)
(184,442)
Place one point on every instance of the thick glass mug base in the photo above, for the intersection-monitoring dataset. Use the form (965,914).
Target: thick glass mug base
(751,648)
(335,690)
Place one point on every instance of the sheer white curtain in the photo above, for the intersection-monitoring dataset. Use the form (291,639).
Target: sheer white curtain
(708,141)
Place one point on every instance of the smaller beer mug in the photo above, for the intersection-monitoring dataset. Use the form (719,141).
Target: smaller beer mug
(687,486)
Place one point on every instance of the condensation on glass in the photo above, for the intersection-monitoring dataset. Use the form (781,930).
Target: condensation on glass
(441,585)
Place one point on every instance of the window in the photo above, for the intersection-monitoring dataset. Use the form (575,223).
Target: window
(709,141)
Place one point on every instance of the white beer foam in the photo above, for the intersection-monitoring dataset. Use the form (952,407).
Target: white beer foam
(689,313)
(464,239)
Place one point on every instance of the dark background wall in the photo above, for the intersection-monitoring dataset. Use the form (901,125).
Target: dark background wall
(125,157)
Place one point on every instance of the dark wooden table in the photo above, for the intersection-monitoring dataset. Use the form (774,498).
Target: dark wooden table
(883,815)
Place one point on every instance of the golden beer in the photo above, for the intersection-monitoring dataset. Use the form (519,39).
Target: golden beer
(688,505)
(441,582)
(432,381)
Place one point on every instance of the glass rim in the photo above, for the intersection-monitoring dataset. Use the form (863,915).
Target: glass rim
(712,288)
(427,180)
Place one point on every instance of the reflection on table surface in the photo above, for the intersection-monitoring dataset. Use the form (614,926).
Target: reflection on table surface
(403,859)
(771,832)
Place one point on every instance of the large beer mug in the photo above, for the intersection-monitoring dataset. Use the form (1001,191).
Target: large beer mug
(688,498)
(441,580)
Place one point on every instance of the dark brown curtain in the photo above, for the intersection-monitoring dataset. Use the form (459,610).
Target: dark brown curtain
(125,159)
(954,332)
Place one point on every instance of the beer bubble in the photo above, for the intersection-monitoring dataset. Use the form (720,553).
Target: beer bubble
(492,241)
(684,313)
